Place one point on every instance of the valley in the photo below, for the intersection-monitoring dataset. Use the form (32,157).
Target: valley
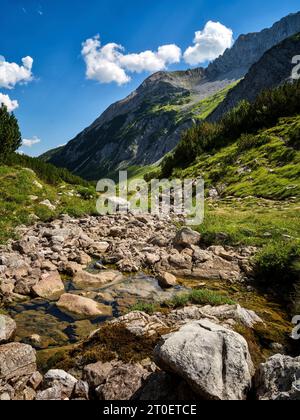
(141,307)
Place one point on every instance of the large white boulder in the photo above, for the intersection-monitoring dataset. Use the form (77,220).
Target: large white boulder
(214,360)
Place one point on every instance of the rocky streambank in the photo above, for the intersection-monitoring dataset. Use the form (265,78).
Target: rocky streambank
(194,354)
(66,288)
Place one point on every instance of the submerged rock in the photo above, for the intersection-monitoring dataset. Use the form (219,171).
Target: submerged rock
(85,279)
(82,308)
(215,361)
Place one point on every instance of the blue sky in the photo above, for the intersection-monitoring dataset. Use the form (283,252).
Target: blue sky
(59,102)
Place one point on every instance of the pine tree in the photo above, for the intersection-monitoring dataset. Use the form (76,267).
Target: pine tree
(10,136)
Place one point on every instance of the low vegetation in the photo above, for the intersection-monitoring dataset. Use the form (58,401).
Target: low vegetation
(199,297)
(246,118)
(22,195)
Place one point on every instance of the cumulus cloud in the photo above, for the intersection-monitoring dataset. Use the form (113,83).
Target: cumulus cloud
(109,63)
(209,43)
(30,142)
(13,73)
(10,104)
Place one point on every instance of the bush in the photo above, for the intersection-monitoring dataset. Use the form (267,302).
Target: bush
(250,141)
(278,262)
(148,308)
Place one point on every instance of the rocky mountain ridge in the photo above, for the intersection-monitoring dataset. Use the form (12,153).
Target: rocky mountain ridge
(273,69)
(140,129)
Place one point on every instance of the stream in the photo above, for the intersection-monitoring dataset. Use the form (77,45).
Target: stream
(41,324)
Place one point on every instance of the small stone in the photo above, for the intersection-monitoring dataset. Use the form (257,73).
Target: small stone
(166,280)
(186,237)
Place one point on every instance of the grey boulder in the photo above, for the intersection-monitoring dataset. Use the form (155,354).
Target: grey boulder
(214,360)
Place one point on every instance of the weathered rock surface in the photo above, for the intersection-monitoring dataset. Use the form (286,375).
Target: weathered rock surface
(96,373)
(7,329)
(80,307)
(166,280)
(16,360)
(278,379)
(122,382)
(186,237)
(61,379)
(50,394)
(215,361)
(85,279)
(49,287)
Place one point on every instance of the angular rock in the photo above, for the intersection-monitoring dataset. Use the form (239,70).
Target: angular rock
(62,379)
(141,324)
(186,237)
(16,360)
(122,383)
(35,380)
(96,373)
(278,379)
(49,287)
(81,390)
(8,328)
(85,279)
(83,258)
(215,361)
(82,308)
(50,394)
(166,280)
(48,204)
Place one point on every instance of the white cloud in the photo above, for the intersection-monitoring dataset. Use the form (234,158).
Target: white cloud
(31,142)
(10,104)
(12,73)
(108,63)
(209,43)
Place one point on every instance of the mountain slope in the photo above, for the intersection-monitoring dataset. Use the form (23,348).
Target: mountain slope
(273,69)
(146,125)
(143,127)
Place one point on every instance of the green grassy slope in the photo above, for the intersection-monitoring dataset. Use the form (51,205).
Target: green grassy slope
(22,191)
(265,165)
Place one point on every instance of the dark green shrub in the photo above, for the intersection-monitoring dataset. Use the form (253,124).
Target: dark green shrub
(10,136)
(278,262)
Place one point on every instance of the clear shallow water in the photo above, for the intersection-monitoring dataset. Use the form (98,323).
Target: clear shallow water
(42,318)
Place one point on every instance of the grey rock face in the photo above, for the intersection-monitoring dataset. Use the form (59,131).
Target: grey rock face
(278,379)
(272,70)
(215,361)
(248,49)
